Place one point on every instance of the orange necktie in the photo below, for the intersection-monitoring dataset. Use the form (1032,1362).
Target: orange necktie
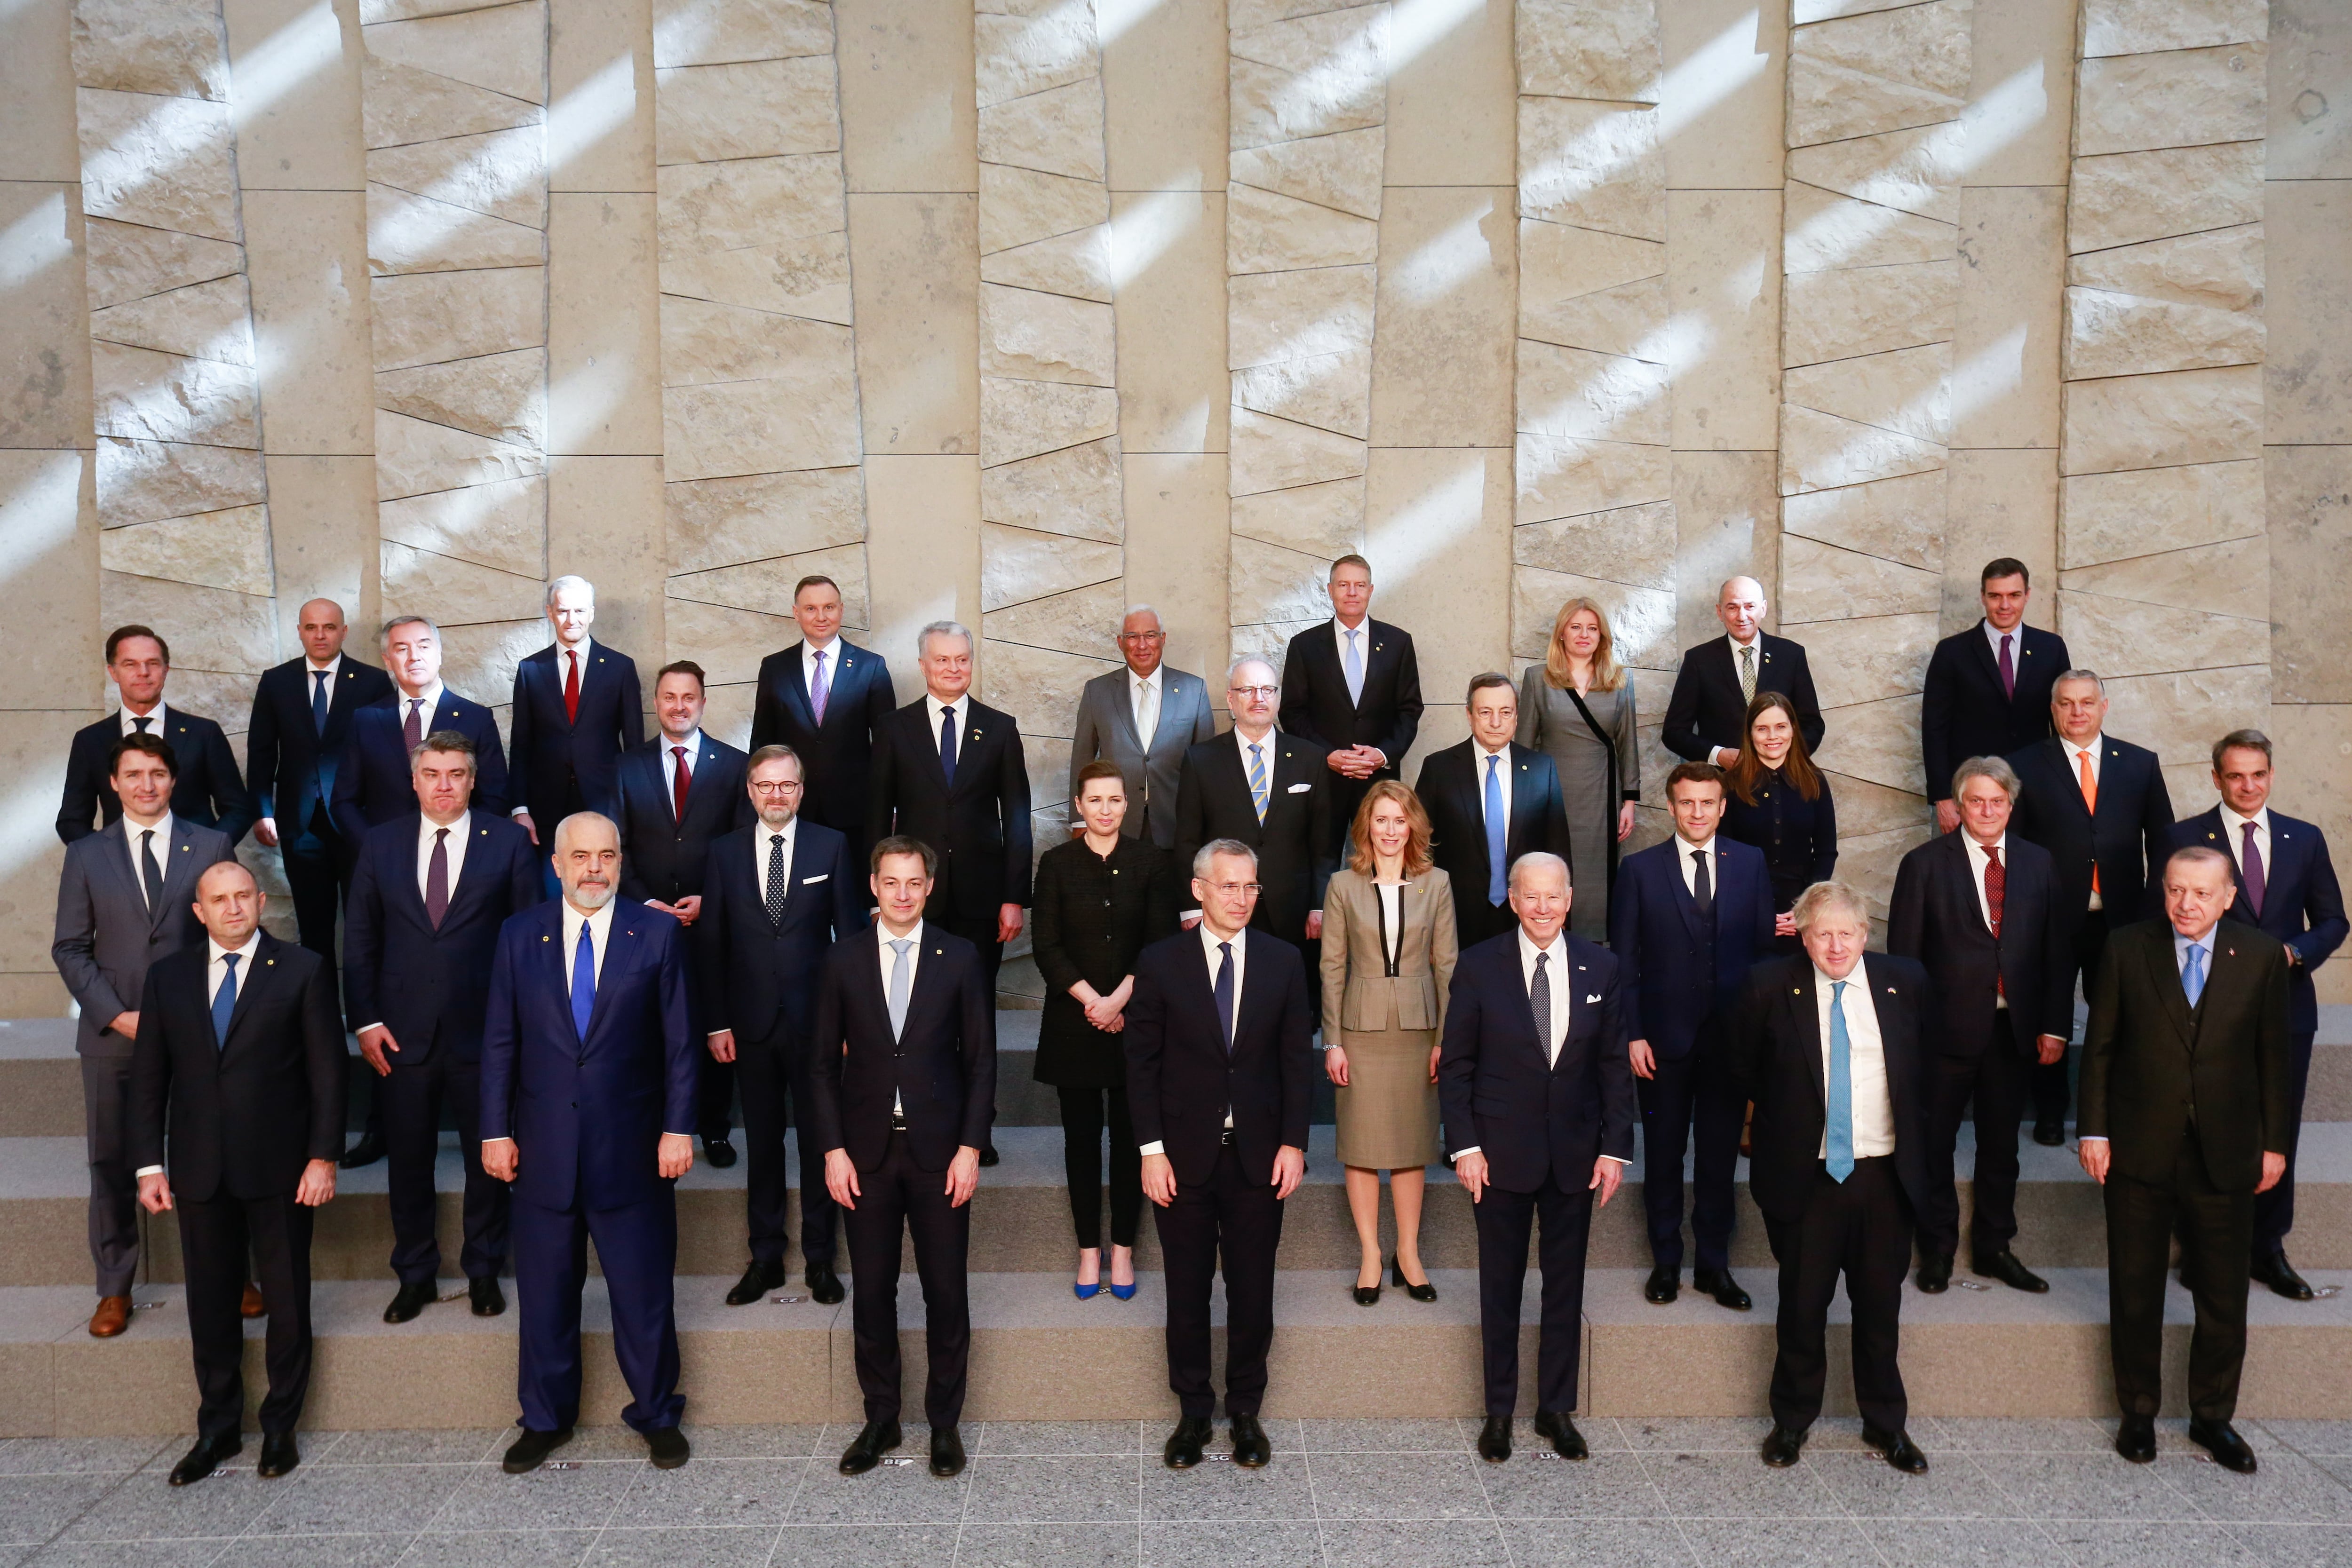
(2090,802)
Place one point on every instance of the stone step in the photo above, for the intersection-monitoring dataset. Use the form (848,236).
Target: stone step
(1038,1354)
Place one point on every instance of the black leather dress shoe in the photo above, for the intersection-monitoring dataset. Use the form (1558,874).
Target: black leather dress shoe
(2280,1276)
(1935,1275)
(366,1152)
(2003,1266)
(1663,1286)
(278,1454)
(757,1282)
(668,1448)
(874,1439)
(2135,1439)
(489,1300)
(2049,1135)
(989,1156)
(530,1451)
(1566,1440)
(2221,1439)
(1897,1449)
(825,1285)
(1495,1440)
(1783,1446)
(1719,1283)
(1182,1450)
(720,1152)
(206,1457)
(1251,1449)
(946,1452)
(411,1299)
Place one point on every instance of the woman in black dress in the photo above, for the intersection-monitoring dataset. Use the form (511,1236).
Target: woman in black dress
(1099,901)
(1779,802)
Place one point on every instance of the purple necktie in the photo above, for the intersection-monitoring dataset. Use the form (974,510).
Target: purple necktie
(2251,868)
(2008,670)
(436,879)
(819,689)
(412,728)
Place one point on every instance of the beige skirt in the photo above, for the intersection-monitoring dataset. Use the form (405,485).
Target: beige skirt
(1388,1111)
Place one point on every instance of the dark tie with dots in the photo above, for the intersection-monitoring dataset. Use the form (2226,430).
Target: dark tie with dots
(777,881)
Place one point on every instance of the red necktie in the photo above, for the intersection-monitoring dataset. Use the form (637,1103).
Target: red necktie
(679,784)
(572,689)
(1996,889)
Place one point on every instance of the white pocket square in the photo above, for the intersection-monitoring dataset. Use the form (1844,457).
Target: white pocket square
(806,880)
(1300,788)
(1588,1001)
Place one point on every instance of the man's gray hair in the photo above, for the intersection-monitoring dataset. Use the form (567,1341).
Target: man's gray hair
(2198,855)
(2003,776)
(1135,610)
(565,827)
(1206,856)
(397,621)
(1820,897)
(569,580)
(942,629)
(1538,860)
(1235,667)
(2090,676)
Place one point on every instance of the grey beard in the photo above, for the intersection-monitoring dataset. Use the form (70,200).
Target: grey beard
(589,897)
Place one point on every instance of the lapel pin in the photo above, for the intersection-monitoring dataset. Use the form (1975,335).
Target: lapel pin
(1890,990)
(938,952)
(543,937)
(1796,990)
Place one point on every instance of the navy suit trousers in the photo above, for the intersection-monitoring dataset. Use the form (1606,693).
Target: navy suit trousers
(412,1098)
(1504,1221)
(895,1199)
(775,1081)
(637,1247)
(2275,1209)
(1688,1105)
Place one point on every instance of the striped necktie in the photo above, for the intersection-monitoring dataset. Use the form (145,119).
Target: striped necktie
(1257,783)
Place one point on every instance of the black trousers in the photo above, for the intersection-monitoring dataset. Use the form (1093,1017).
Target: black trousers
(1082,1135)
(216,1236)
(412,1098)
(317,873)
(1688,1105)
(2216,1230)
(1504,1221)
(1859,1228)
(775,1079)
(2275,1209)
(1997,1081)
(113,1190)
(714,1098)
(898,1198)
(2051,1087)
(1238,1221)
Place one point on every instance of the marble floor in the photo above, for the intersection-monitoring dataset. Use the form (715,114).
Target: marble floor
(2031,1493)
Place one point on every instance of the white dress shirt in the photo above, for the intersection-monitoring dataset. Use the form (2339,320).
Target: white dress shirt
(1993,635)
(455,844)
(934,710)
(1478,756)
(1873,1107)
(216,975)
(810,649)
(162,847)
(1391,896)
(2180,945)
(2233,829)
(431,696)
(1977,862)
(882,940)
(693,744)
(1209,941)
(332,669)
(1144,696)
(154,716)
(1684,849)
(601,923)
(1559,977)
(1265,744)
(761,834)
(2077,755)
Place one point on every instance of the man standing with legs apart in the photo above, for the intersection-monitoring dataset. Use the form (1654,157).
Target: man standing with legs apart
(588,1081)
(1828,1047)
(2184,1120)
(904,1088)
(1219,1079)
(1539,1100)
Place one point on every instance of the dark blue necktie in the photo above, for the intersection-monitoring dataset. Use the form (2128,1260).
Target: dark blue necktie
(1226,993)
(319,700)
(1497,872)
(947,743)
(584,980)
(224,1002)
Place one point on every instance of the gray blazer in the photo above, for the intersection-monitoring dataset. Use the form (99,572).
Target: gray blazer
(1106,728)
(106,936)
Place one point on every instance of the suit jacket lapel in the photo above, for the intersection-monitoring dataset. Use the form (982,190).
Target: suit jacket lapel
(1807,1005)
(927,741)
(263,973)
(556,966)
(2165,975)
(1684,905)
(620,945)
(180,872)
(1122,709)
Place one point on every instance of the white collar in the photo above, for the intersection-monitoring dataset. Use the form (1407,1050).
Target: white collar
(1823,979)
(1210,940)
(326,669)
(2261,820)
(1686,849)
(128,720)
(939,703)
(811,647)
(1527,949)
(162,829)
(761,833)
(251,942)
(585,644)
(431,696)
(882,937)
(1478,748)
(427,827)
(1245,741)
(1993,635)
(692,741)
(1756,642)
(1151,680)
(2095,746)
(2001,843)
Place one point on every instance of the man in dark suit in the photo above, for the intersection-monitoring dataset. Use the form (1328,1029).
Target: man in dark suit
(209,792)
(576,711)
(1144,718)
(1987,688)
(1269,791)
(775,898)
(1828,1046)
(826,698)
(1219,1080)
(1353,686)
(126,899)
(371,782)
(2184,1120)
(2099,805)
(2286,887)
(1686,919)
(678,792)
(1707,717)
(1980,911)
(240,1050)
(301,717)
(1490,800)
(429,895)
(903,1090)
(588,1080)
(1540,1108)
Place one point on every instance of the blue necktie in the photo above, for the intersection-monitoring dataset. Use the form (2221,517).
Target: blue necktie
(1498,873)
(584,980)
(1257,784)
(901,985)
(1226,993)
(319,700)
(1839,1142)
(947,743)
(2192,973)
(1355,670)
(224,1002)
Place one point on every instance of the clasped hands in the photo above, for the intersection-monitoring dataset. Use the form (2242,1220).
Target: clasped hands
(1357,761)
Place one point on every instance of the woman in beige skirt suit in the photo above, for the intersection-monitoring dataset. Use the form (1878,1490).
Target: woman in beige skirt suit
(1388,958)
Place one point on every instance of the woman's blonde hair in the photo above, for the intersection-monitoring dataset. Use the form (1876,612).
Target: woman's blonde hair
(1608,674)
(1417,858)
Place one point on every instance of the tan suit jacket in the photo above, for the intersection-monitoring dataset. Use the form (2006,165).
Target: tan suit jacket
(1360,996)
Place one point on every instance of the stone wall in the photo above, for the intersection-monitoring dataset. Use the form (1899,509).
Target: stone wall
(1018,311)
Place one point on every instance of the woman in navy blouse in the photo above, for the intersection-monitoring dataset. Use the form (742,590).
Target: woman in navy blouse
(1779,801)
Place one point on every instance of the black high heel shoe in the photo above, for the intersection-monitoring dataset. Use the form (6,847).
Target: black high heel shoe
(1424,1291)
(1368,1295)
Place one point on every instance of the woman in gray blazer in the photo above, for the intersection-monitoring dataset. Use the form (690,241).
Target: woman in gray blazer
(1577,706)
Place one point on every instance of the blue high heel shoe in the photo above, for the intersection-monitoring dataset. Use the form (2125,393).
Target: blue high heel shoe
(1124,1293)
(1086,1292)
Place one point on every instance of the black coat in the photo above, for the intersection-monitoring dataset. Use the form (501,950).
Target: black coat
(2125,842)
(759,978)
(1180,1079)
(1706,710)
(1935,919)
(978,827)
(207,790)
(1294,842)
(2303,904)
(1775,1054)
(1452,792)
(291,762)
(548,751)
(837,757)
(248,1114)
(943,1067)
(1798,837)
(1963,712)
(432,987)
(662,855)
(1314,702)
(1092,917)
(372,783)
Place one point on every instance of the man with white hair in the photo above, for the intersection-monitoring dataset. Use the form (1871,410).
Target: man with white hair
(1143,717)
(1707,713)
(577,710)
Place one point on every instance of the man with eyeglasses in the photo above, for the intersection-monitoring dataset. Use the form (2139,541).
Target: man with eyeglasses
(1143,717)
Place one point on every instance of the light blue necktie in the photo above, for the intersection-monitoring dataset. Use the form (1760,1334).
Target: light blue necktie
(1356,666)
(1257,780)
(224,1002)
(1840,1142)
(2192,973)
(584,980)
(1498,873)
(898,984)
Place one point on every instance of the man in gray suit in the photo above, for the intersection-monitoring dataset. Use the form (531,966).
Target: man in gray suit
(1142,717)
(128,897)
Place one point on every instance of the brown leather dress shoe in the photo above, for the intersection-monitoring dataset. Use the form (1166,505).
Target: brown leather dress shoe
(114,1315)
(251,1306)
